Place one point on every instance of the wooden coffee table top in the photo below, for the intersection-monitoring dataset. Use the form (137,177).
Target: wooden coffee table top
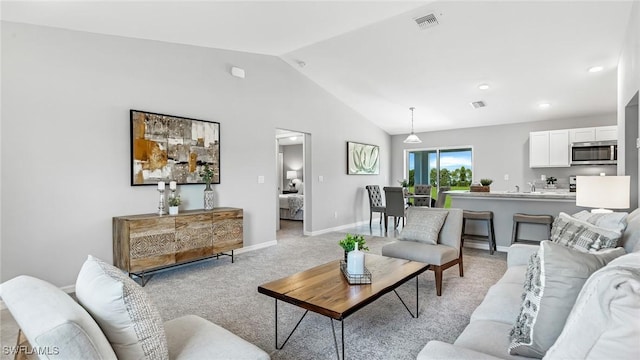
(324,290)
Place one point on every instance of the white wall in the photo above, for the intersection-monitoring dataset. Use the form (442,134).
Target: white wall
(65,140)
(502,149)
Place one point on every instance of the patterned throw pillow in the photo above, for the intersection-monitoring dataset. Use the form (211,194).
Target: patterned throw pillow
(126,315)
(554,279)
(616,221)
(581,235)
(423,225)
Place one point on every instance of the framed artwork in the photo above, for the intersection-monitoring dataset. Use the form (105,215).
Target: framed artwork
(363,159)
(167,147)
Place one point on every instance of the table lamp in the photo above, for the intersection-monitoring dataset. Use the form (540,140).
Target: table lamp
(603,192)
(291,174)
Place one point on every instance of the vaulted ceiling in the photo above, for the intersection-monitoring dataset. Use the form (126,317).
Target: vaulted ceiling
(377,60)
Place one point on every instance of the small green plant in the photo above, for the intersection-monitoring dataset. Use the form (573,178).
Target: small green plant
(175,201)
(403,183)
(551,180)
(349,242)
(206,174)
(485,182)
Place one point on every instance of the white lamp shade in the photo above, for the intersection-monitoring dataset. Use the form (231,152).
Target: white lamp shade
(605,192)
(292,174)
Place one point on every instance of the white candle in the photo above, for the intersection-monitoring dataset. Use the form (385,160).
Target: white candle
(161,185)
(172,185)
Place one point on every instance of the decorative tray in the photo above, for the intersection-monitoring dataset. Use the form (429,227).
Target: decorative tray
(355,279)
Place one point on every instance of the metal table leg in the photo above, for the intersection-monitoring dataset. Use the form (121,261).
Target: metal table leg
(292,331)
(417,301)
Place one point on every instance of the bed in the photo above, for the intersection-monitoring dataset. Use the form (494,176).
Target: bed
(291,206)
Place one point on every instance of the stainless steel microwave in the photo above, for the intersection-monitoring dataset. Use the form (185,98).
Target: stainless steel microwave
(594,153)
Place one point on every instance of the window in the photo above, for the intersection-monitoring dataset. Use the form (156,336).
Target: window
(451,167)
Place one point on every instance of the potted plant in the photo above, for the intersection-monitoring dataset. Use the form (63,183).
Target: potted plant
(207,175)
(483,187)
(174,205)
(349,243)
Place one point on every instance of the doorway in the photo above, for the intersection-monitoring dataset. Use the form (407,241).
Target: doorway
(631,119)
(292,191)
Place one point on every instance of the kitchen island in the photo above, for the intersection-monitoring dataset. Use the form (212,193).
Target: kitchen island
(506,203)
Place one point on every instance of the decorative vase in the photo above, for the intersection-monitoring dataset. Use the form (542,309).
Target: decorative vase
(208,197)
(173,210)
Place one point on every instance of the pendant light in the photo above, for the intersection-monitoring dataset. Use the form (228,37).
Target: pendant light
(412,138)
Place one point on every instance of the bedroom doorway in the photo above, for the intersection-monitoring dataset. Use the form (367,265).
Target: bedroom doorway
(291,172)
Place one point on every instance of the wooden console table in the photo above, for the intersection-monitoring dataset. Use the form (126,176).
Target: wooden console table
(148,242)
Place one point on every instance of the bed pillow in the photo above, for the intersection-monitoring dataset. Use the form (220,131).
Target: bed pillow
(581,235)
(423,225)
(126,315)
(554,278)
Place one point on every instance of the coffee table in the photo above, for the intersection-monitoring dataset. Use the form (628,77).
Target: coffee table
(324,290)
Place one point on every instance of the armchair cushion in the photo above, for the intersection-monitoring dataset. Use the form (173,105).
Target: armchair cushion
(552,283)
(423,225)
(123,310)
(421,252)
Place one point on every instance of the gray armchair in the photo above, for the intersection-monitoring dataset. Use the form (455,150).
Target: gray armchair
(445,254)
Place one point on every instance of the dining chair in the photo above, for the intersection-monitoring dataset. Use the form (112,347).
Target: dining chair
(375,202)
(422,190)
(441,197)
(395,205)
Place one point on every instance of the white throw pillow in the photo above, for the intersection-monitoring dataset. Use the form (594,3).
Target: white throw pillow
(123,310)
(581,235)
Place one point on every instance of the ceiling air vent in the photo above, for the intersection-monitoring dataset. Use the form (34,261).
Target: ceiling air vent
(427,21)
(478,104)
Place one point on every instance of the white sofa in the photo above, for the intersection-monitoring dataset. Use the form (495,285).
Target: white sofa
(604,322)
(58,327)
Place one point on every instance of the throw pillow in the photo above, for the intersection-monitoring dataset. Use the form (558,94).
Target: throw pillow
(581,235)
(616,221)
(423,225)
(123,310)
(554,279)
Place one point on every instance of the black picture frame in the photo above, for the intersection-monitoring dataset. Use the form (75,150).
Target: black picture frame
(172,148)
(363,159)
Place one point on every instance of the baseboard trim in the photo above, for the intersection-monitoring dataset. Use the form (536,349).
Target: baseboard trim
(483,245)
(337,228)
(256,247)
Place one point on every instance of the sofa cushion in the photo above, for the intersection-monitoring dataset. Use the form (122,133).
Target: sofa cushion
(554,279)
(192,337)
(631,237)
(615,221)
(603,323)
(502,303)
(417,251)
(581,235)
(123,310)
(423,225)
(52,320)
(488,337)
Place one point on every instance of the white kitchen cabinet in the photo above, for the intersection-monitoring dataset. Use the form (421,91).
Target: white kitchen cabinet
(607,133)
(582,134)
(598,133)
(549,148)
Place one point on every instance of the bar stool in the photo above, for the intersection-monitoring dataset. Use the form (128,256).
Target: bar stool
(530,219)
(481,216)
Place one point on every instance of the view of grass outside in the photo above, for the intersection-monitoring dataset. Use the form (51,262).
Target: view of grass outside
(441,167)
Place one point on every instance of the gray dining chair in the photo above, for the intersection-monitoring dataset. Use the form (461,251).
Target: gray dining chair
(395,205)
(441,197)
(422,190)
(375,202)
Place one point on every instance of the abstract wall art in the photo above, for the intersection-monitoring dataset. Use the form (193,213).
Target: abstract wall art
(167,147)
(363,159)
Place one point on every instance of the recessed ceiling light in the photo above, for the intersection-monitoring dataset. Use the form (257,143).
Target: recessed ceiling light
(483,86)
(544,105)
(595,69)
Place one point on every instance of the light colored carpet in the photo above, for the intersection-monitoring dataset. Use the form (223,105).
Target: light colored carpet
(227,294)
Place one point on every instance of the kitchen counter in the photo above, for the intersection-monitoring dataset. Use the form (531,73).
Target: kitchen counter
(506,203)
(537,195)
